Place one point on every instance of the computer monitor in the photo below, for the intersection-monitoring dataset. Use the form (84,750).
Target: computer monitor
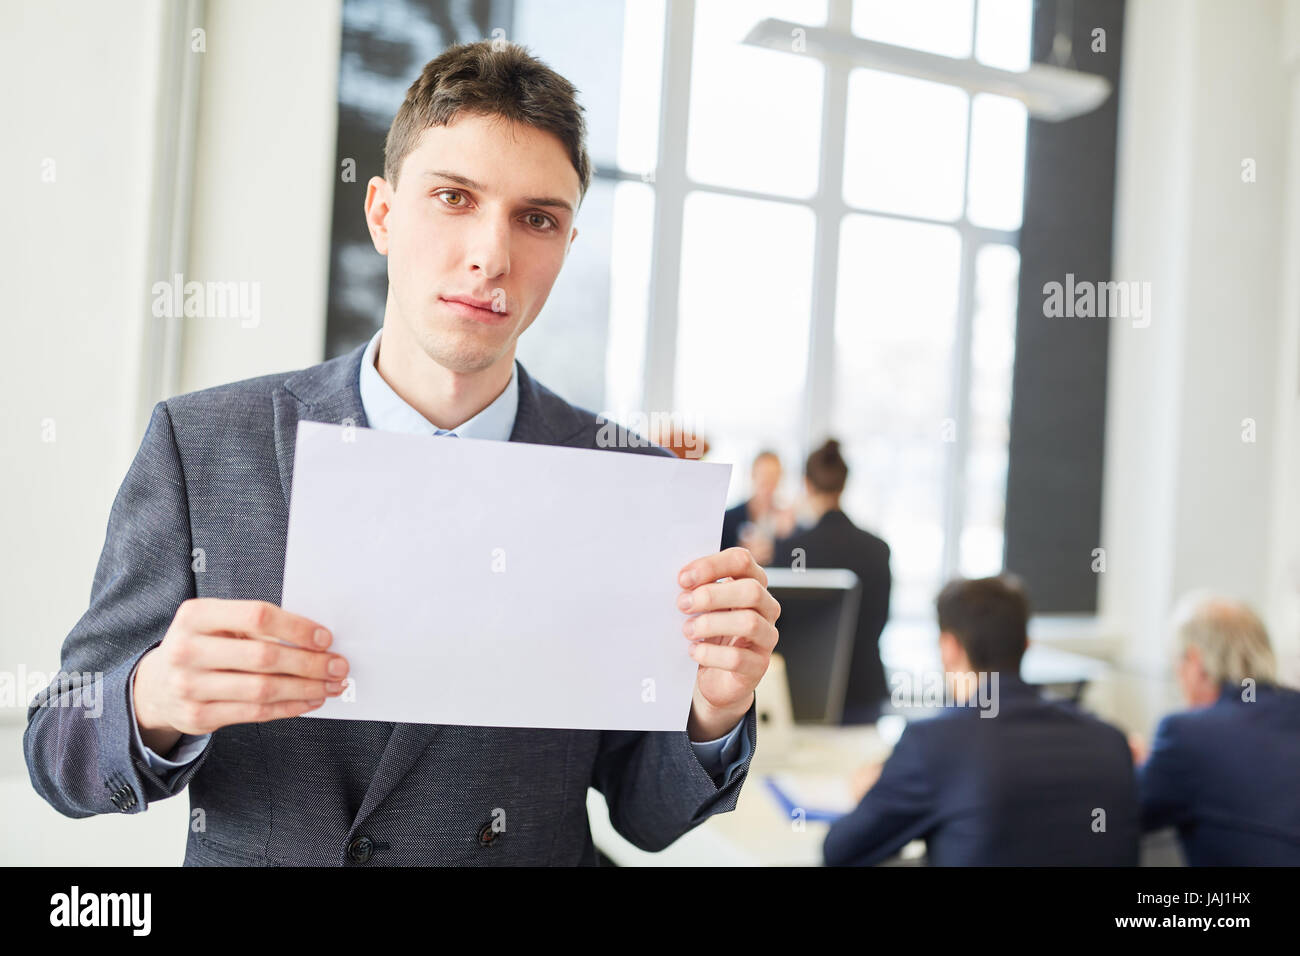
(819,616)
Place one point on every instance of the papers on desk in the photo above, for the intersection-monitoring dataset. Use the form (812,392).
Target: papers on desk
(499,584)
(811,797)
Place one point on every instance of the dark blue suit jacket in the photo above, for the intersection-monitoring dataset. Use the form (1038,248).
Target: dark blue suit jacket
(732,519)
(836,542)
(1020,788)
(1228,777)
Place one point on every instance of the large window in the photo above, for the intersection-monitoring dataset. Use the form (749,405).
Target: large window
(775,248)
(814,251)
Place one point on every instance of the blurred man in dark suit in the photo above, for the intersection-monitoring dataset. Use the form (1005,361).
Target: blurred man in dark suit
(1001,777)
(836,542)
(1226,773)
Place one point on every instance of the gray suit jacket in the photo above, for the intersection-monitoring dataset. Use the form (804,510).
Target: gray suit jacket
(214,472)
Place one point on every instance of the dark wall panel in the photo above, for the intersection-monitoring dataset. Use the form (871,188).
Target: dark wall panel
(384,46)
(1058,411)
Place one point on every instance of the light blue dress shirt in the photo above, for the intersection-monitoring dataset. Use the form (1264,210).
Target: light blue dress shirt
(386,411)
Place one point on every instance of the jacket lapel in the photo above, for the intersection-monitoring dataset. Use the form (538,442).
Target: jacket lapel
(330,392)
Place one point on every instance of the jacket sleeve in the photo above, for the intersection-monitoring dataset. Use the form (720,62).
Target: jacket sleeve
(1164,785)
(899,808)
(79,743)
(656,787)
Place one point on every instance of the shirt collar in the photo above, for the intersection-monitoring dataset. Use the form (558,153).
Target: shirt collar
(386,411)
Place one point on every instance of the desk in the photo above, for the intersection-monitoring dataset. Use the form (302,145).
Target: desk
(757,832)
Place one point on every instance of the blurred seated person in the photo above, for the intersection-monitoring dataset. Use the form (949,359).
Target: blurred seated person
(756,523)
(1226,773)
(1001,777)
(836,542)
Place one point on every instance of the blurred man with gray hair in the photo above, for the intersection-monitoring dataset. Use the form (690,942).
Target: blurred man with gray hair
(1226,773)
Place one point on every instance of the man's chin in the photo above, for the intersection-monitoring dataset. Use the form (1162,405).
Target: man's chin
(464,352)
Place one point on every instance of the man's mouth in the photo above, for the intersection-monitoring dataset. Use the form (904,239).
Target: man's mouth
(479,310)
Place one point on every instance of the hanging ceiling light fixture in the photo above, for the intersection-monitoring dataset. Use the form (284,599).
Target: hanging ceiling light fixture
(1050,91)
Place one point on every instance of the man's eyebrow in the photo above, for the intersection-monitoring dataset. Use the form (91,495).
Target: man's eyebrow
(454,177)
(470,184)
(542,201)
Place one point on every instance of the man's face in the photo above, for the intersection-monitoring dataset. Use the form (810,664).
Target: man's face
(766,476)
(1198,690)
(483,213)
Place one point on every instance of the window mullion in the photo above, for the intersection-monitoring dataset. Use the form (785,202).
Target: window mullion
(670,200)
(829,208)
(954,479)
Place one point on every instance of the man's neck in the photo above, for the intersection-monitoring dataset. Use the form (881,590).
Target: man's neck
(820,506)
(447,399)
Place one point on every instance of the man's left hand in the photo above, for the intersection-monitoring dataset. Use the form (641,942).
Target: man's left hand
(732,625)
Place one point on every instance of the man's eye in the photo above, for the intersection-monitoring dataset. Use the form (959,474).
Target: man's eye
(540,221)
(443,193)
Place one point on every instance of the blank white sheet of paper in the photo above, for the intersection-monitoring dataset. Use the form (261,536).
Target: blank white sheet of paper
(499,584)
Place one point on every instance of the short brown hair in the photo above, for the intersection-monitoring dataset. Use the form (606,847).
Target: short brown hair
(489,78)
(826,469)
(990,619)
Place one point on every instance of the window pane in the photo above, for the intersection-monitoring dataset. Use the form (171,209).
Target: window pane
(1003,32)
(997,162)
(629,294)
(905,145)
(993,349)
(937,26)
(742,338)
(755,113)
(638,109)
(895,325)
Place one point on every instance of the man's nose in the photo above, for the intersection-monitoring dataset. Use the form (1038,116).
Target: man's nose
(489,252)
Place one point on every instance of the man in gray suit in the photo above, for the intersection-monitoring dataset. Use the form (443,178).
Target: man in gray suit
(202,673)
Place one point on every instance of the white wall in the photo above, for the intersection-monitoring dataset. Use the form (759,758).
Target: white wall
(81,81)
(76,269)
(264,181)
(1187,503)
(84,80)
(1283,608)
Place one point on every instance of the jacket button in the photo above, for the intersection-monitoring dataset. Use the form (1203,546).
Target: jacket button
(359,850)
(122,797)
(487,835)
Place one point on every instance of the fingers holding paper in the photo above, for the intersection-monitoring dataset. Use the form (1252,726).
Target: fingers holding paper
(732,626)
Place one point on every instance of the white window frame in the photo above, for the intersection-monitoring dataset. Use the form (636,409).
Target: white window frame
(672,185)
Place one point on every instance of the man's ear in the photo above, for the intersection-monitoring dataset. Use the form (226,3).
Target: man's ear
(572,237)
(949,651)
(379,202)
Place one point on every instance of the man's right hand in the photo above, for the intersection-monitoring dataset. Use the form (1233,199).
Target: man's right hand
(221,663)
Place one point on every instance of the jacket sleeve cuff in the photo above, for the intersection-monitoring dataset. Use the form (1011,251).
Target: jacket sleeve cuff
(187,748)
(724,756)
